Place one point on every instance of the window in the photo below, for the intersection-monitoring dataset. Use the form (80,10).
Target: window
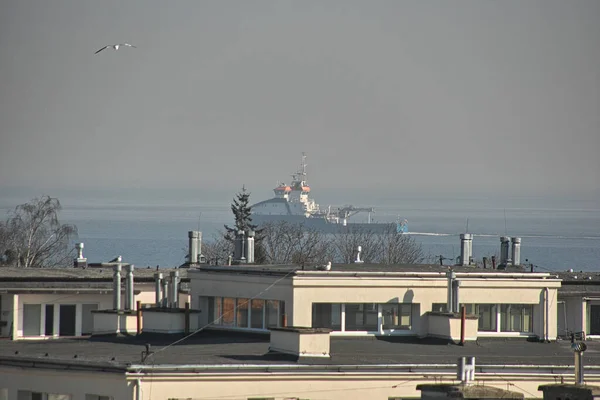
(327,315)
(27,395)
(361,317)
(211,306)
(272,313)
(49,323)
(396,316)
(470,309)
(256,313)
(97,397)
(439,307)
(487,317)
(242,313)
(66,319)
(516,318)
(32,314)
(228,311)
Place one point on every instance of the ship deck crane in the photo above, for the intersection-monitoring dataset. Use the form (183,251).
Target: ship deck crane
(348,211)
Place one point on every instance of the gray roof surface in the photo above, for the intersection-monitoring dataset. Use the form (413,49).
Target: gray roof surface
(581,277)
(224,348)
(290,269)
(80,274)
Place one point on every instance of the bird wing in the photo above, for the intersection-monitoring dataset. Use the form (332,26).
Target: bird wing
(101,50)
(127,44)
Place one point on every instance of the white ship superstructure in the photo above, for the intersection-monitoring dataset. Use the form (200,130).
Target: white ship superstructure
(292,203)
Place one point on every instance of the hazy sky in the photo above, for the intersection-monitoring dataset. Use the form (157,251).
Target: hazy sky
(401,96)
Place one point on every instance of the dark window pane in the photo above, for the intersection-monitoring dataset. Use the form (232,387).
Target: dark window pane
(327,315)
(361,317)
(49,325)
(256,314)
(242,313)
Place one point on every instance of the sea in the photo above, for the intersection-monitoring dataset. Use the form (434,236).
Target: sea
(556,234)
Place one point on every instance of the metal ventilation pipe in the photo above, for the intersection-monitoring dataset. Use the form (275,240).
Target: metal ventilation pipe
(194,246)
(466,369)
(250,247)
(453,302)
(578,348)
(79,247)
(516,250)
(450,300)
(466,248)
(174,288)
(238,246)
(117,287)
(158,278)
(504,249)
(129,295)
(165,293)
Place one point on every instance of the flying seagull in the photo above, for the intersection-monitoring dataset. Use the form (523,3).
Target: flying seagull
(115,46)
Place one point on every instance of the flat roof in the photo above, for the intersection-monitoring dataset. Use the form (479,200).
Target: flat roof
(228,349)
(146,274)
(282,270)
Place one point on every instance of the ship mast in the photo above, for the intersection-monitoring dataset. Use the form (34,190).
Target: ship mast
(300,176)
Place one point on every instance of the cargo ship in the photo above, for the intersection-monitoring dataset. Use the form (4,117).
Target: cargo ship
(292,203)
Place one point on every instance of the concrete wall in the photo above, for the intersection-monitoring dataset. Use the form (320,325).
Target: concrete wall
(573,317)
(240,286)
(449,327)
(168,322)
(331,386)
(74,383)
(243,385)
(424,291)
(104,301)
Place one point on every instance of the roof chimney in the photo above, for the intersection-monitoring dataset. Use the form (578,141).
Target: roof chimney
(504,249)
(194,250)
(466,248)
(174,289)
(158,278)
(129,294)
(117,287)
(250,247)
(516,250)
(239,251)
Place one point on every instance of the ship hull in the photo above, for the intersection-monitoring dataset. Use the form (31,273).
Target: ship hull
(323,226)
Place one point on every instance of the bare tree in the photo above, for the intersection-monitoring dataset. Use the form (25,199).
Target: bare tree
(287,243)
(395,248)
(387,247)
(346,245)
(32,236)
(217,250)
